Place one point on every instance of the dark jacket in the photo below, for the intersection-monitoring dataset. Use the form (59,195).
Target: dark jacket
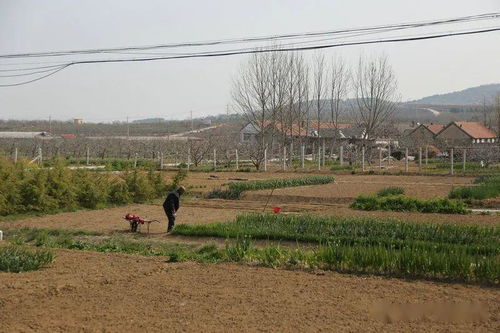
(171,203)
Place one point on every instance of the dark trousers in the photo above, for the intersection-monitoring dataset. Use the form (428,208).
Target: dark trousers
(171,217)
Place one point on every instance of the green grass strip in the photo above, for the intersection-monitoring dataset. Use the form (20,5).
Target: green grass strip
(489,187)
(450,263)
(311,228)
(400,203)
(235,189)
(15,259)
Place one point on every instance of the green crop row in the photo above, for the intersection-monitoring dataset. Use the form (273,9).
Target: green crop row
(234,190)
(369,245)
(345,230)
(390,190)
(489,187)
(452,263)
(401,203)
(15,259)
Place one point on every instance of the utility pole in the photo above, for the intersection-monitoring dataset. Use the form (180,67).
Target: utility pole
(420,159)
(451,162)
(363,158)
(192,125)
(406,159)
(302,156)
(50,124)
(128,130)
(319,157)
(265,159)
(341,155)
(237,161)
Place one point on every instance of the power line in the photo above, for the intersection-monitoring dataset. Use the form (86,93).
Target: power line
(464,19)
(34,80)
(251,51)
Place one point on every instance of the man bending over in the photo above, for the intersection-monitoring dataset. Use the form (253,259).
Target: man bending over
(171,206)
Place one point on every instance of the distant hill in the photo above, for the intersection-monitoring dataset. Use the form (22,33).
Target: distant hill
(149,121)
(470,96)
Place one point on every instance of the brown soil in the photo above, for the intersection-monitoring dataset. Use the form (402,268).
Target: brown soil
(348,187)
(111,220)
(125,293)
(198,211)
(86,291)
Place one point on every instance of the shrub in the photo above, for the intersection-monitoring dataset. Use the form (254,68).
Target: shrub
(91,191)
(157,183)
(180,176)
(119,193)
(34,194)
(15,259)
(60,186)
(139,186)
(391,190)
(26,188)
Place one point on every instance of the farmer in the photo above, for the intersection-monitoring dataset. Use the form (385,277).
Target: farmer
(171,206)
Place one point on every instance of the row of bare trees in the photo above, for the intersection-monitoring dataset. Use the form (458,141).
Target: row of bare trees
(286,97)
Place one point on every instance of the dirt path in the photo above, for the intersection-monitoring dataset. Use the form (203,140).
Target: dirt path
(125,293)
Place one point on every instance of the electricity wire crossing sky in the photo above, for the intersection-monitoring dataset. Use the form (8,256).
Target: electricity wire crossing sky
(26,70)
(109,60)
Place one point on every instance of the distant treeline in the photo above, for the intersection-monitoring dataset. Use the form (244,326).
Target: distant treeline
(100,129)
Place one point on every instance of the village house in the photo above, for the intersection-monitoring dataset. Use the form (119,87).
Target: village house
(423,134)
(462,133)
(309,133)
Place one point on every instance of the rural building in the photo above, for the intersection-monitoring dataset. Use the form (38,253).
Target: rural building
(68,136)
(78,121)
(328,131)
(249,133)
(423,134)
(25,135)
(465,133)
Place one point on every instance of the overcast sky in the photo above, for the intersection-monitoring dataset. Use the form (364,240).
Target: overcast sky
(172,88)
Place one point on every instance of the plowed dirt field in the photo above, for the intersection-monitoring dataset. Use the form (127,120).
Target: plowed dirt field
(96,292)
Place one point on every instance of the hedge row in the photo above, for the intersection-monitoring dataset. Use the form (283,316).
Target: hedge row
(25,189)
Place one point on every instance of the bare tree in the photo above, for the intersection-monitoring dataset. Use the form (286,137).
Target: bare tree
(319,90)
(289,116)
(339,85)
(278,89)
(303,104)
(198,149)
(376,96)
(251,95)
(260,93)
(497,113)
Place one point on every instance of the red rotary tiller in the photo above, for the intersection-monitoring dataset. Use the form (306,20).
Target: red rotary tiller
(135,221)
